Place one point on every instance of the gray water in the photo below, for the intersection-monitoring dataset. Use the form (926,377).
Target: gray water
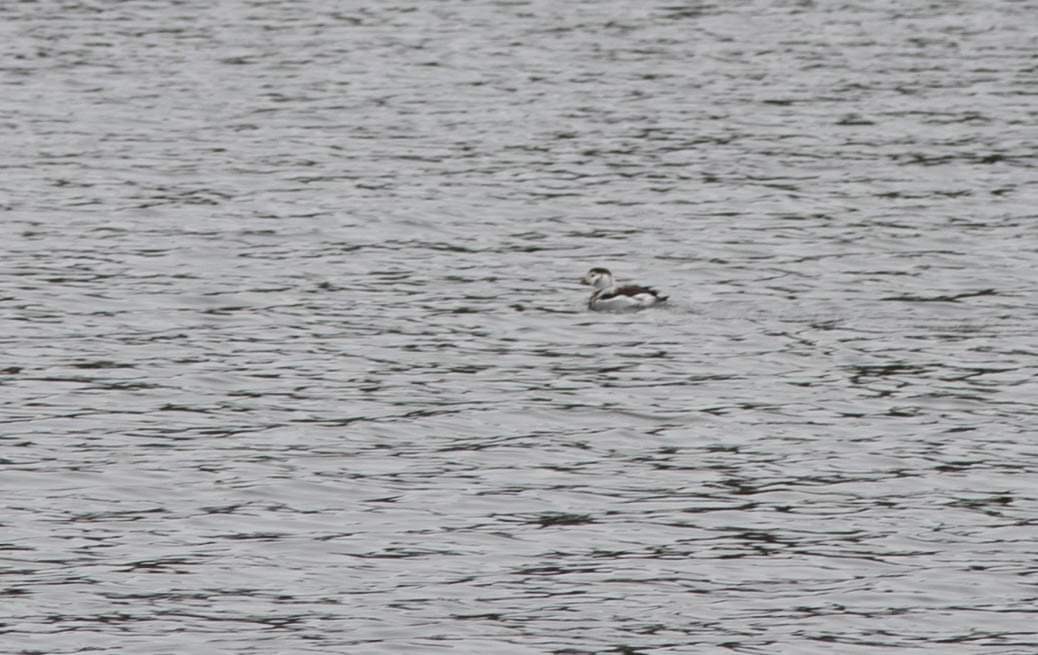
(294,357)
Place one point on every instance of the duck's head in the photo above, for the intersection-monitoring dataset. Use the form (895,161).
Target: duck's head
(598,277)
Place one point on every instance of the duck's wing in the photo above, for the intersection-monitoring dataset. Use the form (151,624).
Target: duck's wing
(633,291)
(631,296)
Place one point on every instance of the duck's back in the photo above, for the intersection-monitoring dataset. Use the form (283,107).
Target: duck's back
(626,297)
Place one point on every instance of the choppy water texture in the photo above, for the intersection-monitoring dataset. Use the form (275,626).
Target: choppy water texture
(295,360)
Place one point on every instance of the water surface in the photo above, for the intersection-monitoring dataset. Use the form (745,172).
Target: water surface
(295,359)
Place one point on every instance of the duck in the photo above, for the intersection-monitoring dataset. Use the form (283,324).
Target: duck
(610,297)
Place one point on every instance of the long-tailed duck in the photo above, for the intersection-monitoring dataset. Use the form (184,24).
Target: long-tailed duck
(608,297)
